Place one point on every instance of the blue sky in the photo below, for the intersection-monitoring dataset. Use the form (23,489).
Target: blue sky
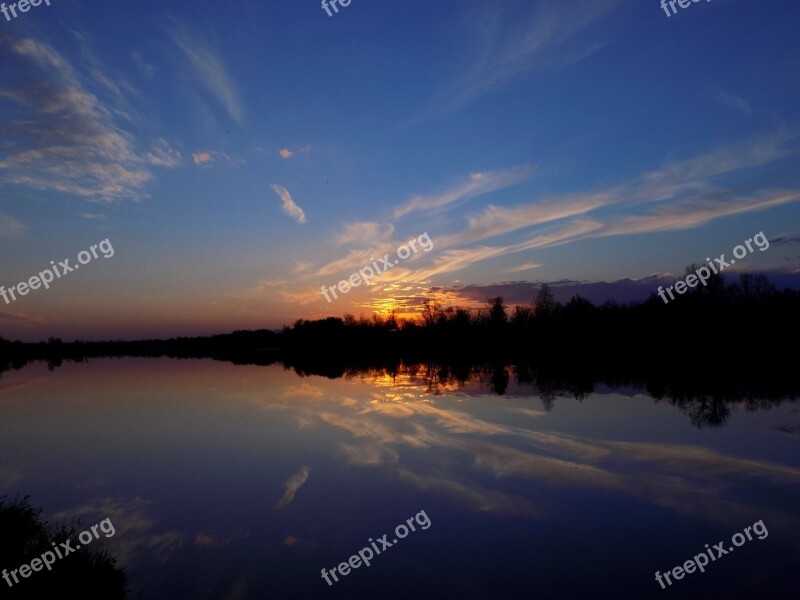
(240,156)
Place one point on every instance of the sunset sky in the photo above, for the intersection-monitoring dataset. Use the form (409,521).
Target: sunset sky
(238,156)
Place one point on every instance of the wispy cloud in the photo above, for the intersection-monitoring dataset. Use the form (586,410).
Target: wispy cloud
(9,226)
(66,138)
(511,44)
(730,100)
(524,267)
(680,194)
(162,155)
(498,220)
(205,158)
(365,233)
(144,67)
(476,185)
(294,483)
(688,215)
(288,204)
(210,70)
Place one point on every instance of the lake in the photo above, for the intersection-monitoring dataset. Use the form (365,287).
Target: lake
(244,481)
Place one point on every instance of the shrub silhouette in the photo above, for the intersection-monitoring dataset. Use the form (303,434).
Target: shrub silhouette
(89,574)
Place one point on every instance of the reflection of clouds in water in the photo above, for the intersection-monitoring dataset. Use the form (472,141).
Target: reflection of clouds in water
(210,540)
(10,389)
(530,412)
(304,390)
(135,532)
(294,483)
(369,454)
(691,479)
(472,494)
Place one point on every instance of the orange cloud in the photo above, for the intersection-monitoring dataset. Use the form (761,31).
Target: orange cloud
(202,157)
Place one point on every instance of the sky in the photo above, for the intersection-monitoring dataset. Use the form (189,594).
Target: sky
(237,157)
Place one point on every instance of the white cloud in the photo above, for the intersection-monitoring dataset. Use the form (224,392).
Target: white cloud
(511,44)
(478,184)
(210,71)
(365,233)
(288,204)
(65,138)
(162,155)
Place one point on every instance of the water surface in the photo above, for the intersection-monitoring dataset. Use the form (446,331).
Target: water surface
(238,482)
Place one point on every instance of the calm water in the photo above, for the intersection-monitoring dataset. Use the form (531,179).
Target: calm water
(240,482)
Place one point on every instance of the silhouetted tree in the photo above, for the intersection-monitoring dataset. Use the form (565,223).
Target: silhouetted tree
(545,303)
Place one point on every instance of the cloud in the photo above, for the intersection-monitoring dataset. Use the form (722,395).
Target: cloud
(785,241)
(146,69)
(210,71)
(476,185)
(304,390)
(161,155)
(9,226)
(730,100)
(688,215)
(294,483)
(303,297)
(365,233)
(494,220)
(524,267)
(286,153)
(206,157)
(512,44)
(65,139)
(136,535)
(680,195)
(301,265)
(288,204)
(202,157)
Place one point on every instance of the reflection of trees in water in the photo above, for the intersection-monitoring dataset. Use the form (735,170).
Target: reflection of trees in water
(705,403)
(704,411)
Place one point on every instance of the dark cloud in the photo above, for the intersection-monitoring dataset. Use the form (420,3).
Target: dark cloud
(598,292)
